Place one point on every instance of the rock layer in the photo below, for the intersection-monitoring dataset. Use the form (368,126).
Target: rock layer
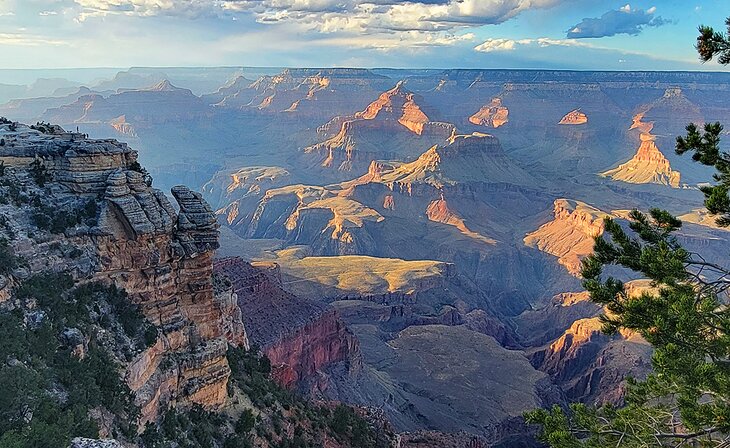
(162,258)
(648,164)
(569,236)
(574,118)
(493,115)
(302,339)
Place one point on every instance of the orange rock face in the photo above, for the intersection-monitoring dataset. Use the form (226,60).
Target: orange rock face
(438,211)
(648,164)
(493,115)
(399,104)
(574,118)
(569,236)
(413,117)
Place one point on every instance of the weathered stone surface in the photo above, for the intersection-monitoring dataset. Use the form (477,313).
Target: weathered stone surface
(301,338)
(80,442)
(164,261)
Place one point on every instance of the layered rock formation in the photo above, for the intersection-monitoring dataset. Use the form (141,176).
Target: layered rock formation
(162,258)
(589,365)
(493,115)
(129,109)
(400,105)
(237,190)
(475,157)
(569,236)
(303,339)
(574,117)
(648,164)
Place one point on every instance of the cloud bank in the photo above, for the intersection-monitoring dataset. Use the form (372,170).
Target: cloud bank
(624,20)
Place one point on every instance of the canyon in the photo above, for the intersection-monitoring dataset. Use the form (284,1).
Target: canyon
(402,240)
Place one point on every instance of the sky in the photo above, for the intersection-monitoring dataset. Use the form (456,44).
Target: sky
(540,34)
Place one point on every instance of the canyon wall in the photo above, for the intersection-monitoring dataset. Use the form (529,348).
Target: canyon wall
(161,257)
(302,339)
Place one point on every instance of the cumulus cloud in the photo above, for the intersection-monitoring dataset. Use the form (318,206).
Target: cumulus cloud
(333,15)
(625,20)
(495,45)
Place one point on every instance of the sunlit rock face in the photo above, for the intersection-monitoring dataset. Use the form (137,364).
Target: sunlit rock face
(493,115)
(398,104)
(160,256)
(648,166)
(589,365)
(569,236)
(575,117)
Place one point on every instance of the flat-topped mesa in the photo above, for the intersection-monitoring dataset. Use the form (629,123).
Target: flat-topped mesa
(80,164)
(161,258)
(575,117)
(493,115)
(569,236)
(648,166)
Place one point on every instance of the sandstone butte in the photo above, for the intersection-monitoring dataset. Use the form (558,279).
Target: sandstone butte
(574,117)
(569,236)
(493,115)
(648,164)
(400,104)
(163,258)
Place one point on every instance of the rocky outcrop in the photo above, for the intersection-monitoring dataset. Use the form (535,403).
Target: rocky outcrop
(80,442)
(574,118)
(589,365)
(648,166)
(302,339)
(569,236)
(493,115)
(162,258)
(401,105)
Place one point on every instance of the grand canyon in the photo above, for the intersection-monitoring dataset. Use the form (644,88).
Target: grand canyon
(407,242)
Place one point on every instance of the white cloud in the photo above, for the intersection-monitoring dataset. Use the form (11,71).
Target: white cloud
(332,15)
(504,45)
(491,45)
(28,40)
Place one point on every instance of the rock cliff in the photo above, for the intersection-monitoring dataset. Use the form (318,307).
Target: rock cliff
(303,339)
(137,241)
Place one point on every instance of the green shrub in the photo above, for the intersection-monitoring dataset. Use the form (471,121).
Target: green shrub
(8,261)
(32,416)
(39,172)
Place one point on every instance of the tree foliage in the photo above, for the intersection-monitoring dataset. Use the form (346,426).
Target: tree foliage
(711,44)
(684,316)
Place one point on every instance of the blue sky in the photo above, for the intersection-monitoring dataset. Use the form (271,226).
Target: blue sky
(563,34)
